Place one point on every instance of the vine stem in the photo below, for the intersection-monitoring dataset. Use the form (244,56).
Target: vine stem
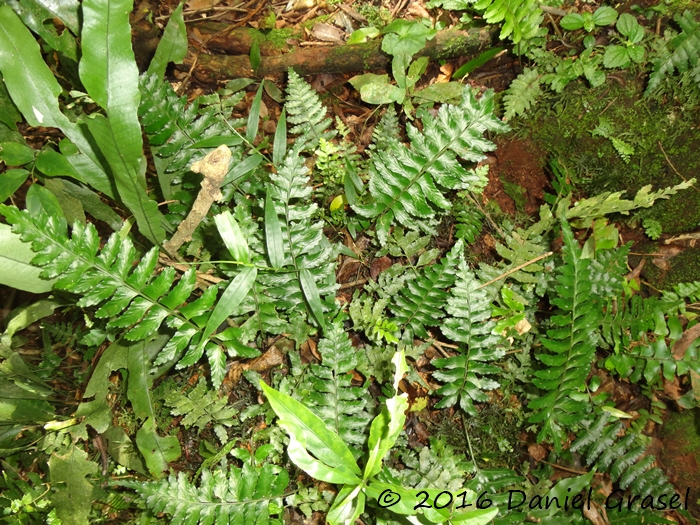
(513,270)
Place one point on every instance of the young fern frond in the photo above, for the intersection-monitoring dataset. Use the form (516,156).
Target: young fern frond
(522,93)
(419,303)
(626,321)
(131,295)
(468,223)
(243,495)
(570,344)
(409,184)
(685,50)
(620,456)
(305,110)
(469,323)
(331,396)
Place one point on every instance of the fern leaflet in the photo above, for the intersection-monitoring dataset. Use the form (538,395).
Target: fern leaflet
(305,110)
(243,495)
(521,18)
(685,49)
(571,345)
(522,93)
(469,323)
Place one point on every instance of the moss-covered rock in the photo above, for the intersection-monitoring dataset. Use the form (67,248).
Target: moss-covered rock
(681,454)
(665,139)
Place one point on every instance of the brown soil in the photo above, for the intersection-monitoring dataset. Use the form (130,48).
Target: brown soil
(519,162)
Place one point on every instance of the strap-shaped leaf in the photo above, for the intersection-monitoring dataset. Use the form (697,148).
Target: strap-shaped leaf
(312,434)
(172,46)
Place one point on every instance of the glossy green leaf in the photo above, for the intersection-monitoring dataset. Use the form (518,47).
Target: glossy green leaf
(10,182)
(39,198)
(313,299)
(9,114)
(626,24)
(254,116)
(273,234)
(604,15)
(616,57)
(235,292)
(239,171)
(233,237)
(15,268)
(66,10)
(129,179)
(636,53)
(157,451)
(477,62)
(442,92)
(34,90)
(15,154)
(215,142)
(54,164)
(572,22)
(72,496)
(404,37)
(363,34)
(279,147)
(172,46)
(347,506)
(311,433)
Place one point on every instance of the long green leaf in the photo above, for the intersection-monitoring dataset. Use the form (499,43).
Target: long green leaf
(241,170)
(311,432)
(130,184)
(230,299)
(273,234)
(254,116)
(279,148)
(233,237)
(109,73)
(172,46)
(308,286)
(34,90)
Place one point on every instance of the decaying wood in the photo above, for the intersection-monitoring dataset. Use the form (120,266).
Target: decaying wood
(340,59)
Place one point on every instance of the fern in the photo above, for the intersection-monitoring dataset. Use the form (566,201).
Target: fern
(468,223)
(386,133)
(408,184)
(469,323)
(571,347)
(243,495)
(131,295)
(603,447)
(521,18)
(306,112)
(176,131)
(331,395)
(419,303)
(685,49)
(438,466)
(522,93)
(200,407)
(626,321)
(304,249)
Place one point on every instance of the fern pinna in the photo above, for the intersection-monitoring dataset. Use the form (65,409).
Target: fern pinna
(247,495)
(571,346)
(469,323)
(409,184)
(133,298)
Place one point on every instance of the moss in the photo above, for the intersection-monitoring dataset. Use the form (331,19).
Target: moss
(684,267)
(681,444)
(562,125)
(278,37)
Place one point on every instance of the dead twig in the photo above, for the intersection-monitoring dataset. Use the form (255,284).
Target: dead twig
(513,270)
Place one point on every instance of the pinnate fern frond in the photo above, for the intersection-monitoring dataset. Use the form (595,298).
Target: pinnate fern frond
(603,447)
(304,253)
(409,184)
(685,50)
(306,112)
(133,296)
(247,495)
(570,344)
(174,128)
(522,93)
(521,18)
(420,302)
(465,375)
(331,396)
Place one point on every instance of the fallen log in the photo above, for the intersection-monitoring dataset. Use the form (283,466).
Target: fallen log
(369,56)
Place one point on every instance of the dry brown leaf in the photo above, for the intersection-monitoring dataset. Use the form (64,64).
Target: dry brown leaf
(197,5)
(445,75)
(417,10)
